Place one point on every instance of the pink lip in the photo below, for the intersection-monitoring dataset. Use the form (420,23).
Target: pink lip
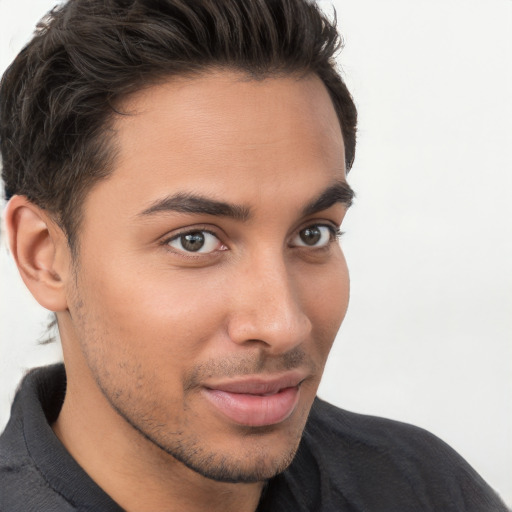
(256,401)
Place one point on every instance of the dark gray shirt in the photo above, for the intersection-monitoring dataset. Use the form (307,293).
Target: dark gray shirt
(346,463)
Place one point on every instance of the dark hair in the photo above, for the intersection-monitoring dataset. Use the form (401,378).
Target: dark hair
(59,95)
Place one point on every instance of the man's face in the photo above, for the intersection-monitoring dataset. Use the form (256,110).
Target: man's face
(210,284)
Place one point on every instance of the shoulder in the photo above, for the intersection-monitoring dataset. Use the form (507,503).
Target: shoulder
(22,486)
(379,461)
(379,434)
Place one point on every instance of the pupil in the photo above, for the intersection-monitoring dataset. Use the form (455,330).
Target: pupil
(192,241)
(310,236)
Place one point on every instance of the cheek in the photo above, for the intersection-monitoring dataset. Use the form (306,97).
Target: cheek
(156,315)
(327,301)
(140,336)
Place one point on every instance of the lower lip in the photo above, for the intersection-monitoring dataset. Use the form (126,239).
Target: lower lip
(255,410)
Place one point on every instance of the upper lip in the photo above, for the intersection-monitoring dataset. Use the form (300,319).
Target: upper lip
(259,384)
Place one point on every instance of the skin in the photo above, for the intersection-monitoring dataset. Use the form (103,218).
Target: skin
(147,326)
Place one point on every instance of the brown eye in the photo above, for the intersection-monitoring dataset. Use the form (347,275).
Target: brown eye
(192,241)
(196,241)
(311,236)
(314,236)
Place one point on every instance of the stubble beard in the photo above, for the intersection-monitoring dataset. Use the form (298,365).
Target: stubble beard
(254,465)
(186,446)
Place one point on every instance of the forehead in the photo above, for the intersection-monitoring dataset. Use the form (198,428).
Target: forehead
(221,132)
(201,98)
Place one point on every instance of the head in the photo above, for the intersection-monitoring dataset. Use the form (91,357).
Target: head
(61,94)
(177,174)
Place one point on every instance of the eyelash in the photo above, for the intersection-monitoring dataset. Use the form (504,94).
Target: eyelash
(189,231)
(335,231)
(335,235)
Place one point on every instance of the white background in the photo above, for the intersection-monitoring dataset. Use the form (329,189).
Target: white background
(428,336)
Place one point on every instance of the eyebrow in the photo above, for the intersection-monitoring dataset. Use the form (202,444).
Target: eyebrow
(191,203)
(340,192)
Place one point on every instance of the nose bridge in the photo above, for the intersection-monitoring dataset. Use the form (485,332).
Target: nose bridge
(268,306)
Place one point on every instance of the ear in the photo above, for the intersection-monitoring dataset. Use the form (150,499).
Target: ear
(40,250)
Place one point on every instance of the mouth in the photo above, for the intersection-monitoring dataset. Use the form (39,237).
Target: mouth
(256,401)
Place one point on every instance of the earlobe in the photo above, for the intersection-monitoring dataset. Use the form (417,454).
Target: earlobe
(37,243)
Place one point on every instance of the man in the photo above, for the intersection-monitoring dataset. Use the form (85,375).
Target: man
(177,182)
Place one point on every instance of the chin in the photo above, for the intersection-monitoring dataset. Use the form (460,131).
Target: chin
(255,465)
(218,449)
(242,455)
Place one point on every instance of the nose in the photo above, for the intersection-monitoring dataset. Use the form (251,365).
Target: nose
(266,307)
